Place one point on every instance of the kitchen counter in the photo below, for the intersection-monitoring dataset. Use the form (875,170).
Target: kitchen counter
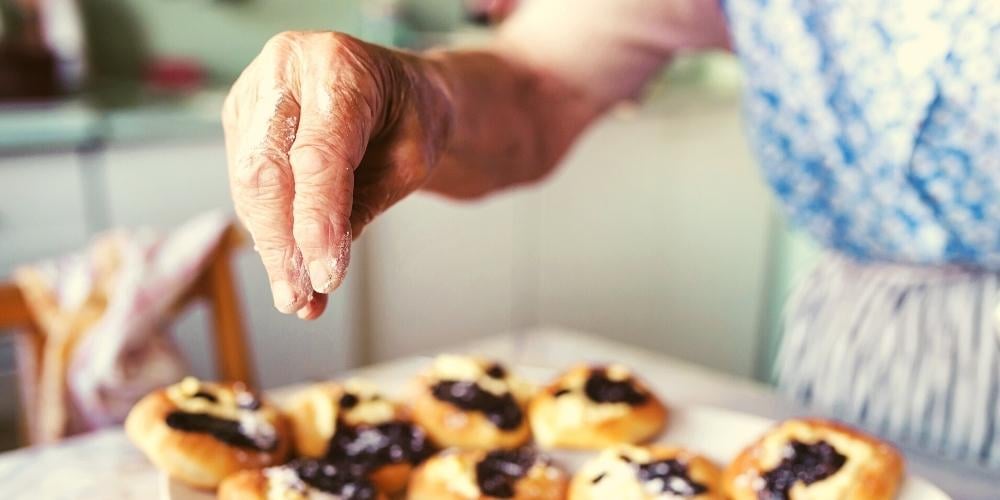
(104,465)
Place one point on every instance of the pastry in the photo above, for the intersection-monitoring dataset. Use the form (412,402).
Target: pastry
(472,403)
(200,432)
(627,472)
(519,474)
(302,479)
(593,407)
(353,422)
(815,459)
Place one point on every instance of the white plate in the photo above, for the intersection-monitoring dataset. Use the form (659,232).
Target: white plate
(718,434)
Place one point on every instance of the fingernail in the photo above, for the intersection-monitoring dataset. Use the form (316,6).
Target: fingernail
(284,297)
(324,275)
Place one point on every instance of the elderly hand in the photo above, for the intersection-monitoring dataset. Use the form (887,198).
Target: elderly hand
(324,132)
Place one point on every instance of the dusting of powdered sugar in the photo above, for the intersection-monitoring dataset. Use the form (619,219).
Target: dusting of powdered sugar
(254,426)
(282,480)
(337,264)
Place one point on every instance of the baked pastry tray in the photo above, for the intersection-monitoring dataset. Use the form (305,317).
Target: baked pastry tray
(718,434)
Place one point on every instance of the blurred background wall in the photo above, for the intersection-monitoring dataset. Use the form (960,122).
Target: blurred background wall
(657,230)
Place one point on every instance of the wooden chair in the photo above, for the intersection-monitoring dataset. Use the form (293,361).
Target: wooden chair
(215,286)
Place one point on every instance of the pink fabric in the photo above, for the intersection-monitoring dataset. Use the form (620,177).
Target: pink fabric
(611,48)
(113,367)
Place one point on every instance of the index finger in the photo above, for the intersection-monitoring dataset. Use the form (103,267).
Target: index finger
(263,190)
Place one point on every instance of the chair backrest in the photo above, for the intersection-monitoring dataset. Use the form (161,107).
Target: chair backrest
(215,285)
(28,345)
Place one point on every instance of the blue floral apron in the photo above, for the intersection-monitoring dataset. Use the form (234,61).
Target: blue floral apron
(877,124)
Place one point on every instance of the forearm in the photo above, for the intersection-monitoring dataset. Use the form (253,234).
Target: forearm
(516,107)
(509,123)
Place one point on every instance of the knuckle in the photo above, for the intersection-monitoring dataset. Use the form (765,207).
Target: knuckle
(270,246)
(284,40)
(312,232)
(350,58)
(273,259)
(325,44)
(336,40)
(271,242)
(316,161)
(312,162)
(262,176)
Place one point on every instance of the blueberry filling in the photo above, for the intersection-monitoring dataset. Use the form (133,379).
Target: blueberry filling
(502,411)
(673,476)
(808,463)
(372,446)
(601,389)
(498,472)
(347,481)
(206,396)
(348,401)
(227,431)
(496,371)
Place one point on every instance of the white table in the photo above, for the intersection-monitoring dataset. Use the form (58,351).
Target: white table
(104,465)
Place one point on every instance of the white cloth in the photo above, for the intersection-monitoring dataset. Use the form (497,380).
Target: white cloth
(100,312)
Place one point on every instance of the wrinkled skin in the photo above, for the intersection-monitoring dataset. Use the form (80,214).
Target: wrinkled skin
(323,133)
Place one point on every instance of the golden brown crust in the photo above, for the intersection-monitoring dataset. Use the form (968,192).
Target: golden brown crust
(250,485)
(391,479)
(618,476)
(195,459)
(552,429)
(873,471)
(244,485)
(304,413)
(424,487)
(547,487)
(455,480)
(448,425)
